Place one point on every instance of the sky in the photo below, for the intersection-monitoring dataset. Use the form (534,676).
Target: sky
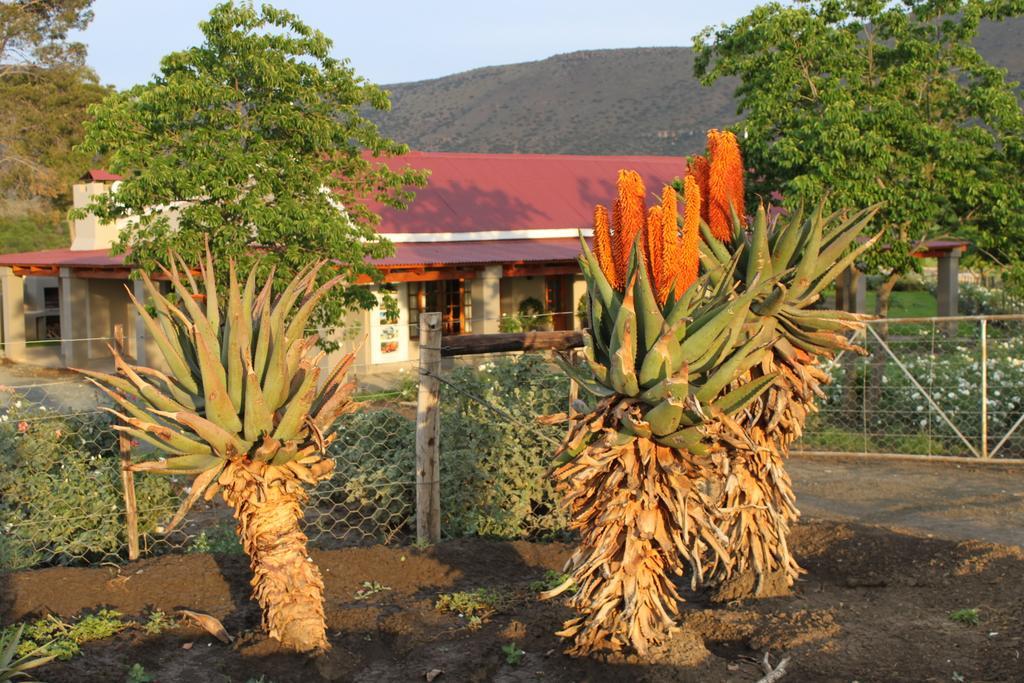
(394,41)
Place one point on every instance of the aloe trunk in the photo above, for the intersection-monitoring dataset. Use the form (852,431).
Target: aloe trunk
(286,584)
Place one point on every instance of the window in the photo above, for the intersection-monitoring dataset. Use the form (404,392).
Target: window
(48,327)
(51,297)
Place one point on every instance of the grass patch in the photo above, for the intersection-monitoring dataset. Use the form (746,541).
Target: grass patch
(967,617)
(62,639)
(478,604)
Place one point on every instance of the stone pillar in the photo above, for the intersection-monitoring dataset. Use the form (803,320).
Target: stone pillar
(12,291)
(851,291)
(485,291)
(949,283)
(74,318)
(579,289)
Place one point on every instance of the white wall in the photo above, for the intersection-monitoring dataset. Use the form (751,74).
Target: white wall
(88,233)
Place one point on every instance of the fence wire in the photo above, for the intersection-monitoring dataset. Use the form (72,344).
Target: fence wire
(928,387)
(62,500)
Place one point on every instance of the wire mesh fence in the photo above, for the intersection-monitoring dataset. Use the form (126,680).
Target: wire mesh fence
(925,387)
(62,499)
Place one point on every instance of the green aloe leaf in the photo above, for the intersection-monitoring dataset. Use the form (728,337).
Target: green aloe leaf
(664,417)
(786,237)
(758,258)
(745,357)
(180,464)
(740,397)
(688,439)
(587,383)
(649,318)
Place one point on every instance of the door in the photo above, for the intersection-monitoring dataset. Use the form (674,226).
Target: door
(558,300)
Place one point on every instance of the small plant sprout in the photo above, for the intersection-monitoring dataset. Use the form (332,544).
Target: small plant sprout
(158,622)
(370,588)
(967,616)
(137,674)
(513,655)
(552,580)
(481,602)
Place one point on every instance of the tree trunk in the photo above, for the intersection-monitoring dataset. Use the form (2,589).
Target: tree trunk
(287,586)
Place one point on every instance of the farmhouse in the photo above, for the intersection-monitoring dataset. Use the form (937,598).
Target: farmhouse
(489,232)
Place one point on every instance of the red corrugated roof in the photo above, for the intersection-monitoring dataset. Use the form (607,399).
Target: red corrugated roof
(477,192)
(89,258)
(98,175)
(410,254)
(484,252)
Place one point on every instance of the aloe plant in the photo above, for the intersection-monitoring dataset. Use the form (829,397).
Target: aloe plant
(243,407)
(15,668)
(695,376)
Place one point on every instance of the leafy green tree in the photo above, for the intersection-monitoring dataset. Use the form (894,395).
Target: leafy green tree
(45,89)
(255,140)
(873,101)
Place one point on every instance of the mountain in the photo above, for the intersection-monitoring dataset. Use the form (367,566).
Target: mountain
(625,101)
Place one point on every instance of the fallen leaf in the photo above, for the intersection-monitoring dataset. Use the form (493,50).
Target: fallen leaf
(432,674)
(186,646)
(212,625)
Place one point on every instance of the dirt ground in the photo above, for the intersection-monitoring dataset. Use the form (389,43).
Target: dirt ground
(873,606)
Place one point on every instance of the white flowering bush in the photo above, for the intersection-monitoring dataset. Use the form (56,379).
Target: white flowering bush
(979,300)
(885,412)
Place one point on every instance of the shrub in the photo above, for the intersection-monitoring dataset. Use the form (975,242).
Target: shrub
(495,457)
(493,464)
(60,489)
(978,300)
(898,418)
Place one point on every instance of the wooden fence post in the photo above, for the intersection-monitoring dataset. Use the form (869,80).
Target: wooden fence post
(428,432)
(124,446)
(574,394)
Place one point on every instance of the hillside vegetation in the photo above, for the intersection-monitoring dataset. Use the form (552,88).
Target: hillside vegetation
(625,101)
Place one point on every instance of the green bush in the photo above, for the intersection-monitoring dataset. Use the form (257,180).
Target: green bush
(60,489)
(493,464)
(494,455)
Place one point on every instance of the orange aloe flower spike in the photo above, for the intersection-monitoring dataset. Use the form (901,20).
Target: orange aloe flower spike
(630,217)
(725,184)
(653,246)
(603,246)
(669,229)
(700,169)
(689,243)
